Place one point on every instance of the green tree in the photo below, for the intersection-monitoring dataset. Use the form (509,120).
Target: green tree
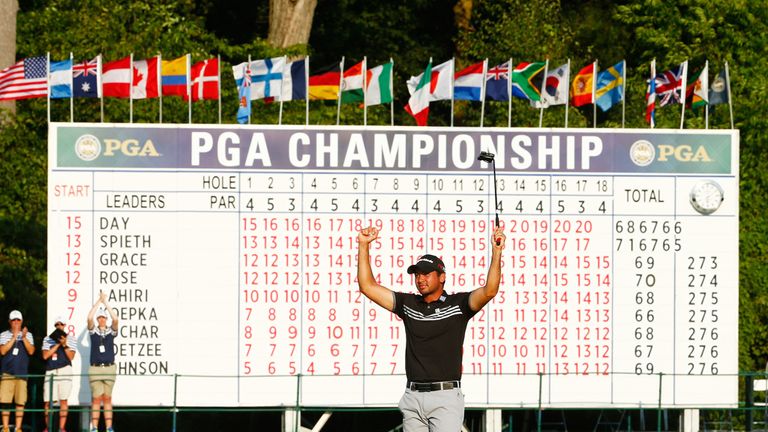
(410,32)
(523,31)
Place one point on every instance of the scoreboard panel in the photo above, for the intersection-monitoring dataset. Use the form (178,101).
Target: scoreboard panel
(230,255)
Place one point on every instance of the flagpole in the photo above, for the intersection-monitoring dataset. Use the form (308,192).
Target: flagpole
(338,93)
(365,91)
(306,91)
(100,86)
(282,82)
(130,90)
(71,89)
(543,92)
(453,78)
(706,107)
(567,90)
(160,86)
(682,92)
(218,82)
(623,91)
(248,71)
(509,93)
(482,92)
(392,89)
(47,84)
(189,88)
(728,86)
(594,104)
(653,79)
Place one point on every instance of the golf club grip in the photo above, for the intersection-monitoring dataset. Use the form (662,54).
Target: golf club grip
(498,240)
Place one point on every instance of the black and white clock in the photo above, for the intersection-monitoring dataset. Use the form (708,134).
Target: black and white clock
(706,197)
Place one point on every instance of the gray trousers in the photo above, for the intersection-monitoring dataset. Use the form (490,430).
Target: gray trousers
(436,411)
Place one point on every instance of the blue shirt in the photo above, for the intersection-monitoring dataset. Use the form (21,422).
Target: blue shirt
(102,345)
(16,360)
(59,359)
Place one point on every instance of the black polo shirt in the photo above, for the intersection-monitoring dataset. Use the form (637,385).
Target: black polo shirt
(434,335)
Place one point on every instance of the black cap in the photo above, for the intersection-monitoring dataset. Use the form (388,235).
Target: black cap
(427,264)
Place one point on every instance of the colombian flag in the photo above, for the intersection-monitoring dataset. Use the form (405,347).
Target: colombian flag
(175,76)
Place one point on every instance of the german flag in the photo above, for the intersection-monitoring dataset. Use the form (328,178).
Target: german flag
(325,84)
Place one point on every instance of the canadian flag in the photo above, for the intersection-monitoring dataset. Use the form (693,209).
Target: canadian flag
(144,81)
(116,78)
(205,80)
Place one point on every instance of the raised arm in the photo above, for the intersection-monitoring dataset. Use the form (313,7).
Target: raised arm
(481,296)
(92,313)
(379,294)
(110,311)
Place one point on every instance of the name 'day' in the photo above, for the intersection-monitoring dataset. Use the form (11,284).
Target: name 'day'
(113,223)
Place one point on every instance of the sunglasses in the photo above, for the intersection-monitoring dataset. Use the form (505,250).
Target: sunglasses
(59,324)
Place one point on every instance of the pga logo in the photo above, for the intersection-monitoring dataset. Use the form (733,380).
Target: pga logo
(643,153)
(88,148)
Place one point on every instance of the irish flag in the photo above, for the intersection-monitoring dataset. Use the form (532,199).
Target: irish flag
(418,104)
(378,84)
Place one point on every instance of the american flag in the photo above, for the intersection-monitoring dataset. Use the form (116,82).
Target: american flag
(26,79)
(669,86)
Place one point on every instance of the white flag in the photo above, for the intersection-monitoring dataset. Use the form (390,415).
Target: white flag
(441,79)
(555,91)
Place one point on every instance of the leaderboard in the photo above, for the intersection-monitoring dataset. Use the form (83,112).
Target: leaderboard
(230,256)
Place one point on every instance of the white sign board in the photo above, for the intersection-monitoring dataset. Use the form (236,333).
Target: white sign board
(230,254)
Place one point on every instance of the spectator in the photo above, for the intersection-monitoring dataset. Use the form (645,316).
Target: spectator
(58,352)
(16,345)
(103,370)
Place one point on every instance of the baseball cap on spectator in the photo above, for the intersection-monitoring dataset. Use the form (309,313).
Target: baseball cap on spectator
(101,313)
(59,319)
(15,315)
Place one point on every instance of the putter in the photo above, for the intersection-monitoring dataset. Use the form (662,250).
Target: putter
(490,158)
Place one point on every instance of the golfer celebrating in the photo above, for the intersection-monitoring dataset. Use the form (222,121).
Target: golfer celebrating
(435,323)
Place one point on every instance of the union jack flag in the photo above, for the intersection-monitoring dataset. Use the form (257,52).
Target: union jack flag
(669,86)
(499,72)
(86,79)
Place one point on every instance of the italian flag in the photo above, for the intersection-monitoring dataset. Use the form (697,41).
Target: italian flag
(378,84)
(352,84)
(418,104)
